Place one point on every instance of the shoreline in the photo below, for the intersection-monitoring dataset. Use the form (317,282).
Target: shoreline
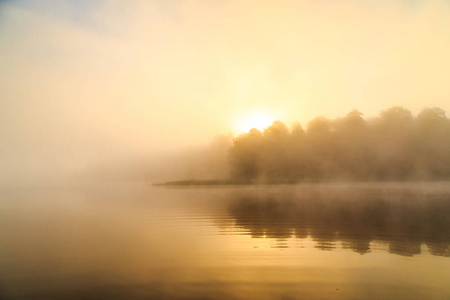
(225,182)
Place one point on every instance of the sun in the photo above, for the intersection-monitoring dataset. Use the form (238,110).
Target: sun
(258,120)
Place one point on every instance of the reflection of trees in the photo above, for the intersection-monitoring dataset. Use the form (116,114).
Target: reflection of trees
(403,220)
(394,145)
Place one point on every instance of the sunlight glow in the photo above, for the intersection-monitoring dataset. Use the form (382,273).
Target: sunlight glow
(259,120)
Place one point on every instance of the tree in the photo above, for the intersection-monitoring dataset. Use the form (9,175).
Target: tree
(394,146)
(432,141)
(244,155)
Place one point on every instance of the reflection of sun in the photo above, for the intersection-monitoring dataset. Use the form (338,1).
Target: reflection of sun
(259,120)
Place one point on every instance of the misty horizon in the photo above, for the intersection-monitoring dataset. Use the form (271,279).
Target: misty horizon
(394,146)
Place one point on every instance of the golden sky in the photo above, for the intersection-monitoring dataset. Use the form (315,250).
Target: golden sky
(83,81)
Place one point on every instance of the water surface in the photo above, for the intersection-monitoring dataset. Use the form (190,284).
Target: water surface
(133,241)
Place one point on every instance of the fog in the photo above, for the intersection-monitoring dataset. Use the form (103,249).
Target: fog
(115,84)
(206,162)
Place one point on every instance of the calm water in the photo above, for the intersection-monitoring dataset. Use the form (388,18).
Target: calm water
(363,241)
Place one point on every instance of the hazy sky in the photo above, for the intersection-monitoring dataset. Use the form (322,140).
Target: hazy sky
(87,80)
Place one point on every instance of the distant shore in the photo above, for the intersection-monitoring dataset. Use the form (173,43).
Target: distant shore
(183,183)
(201,182)
(219,182)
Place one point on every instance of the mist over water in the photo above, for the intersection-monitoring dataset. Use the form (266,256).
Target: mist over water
(315,241)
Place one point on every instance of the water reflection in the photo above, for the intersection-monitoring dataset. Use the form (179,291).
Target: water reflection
(137,242)
(356,219)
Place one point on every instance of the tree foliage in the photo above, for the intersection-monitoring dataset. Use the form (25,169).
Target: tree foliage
(394,146)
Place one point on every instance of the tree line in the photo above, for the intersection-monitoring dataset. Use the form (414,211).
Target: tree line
(393,146)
